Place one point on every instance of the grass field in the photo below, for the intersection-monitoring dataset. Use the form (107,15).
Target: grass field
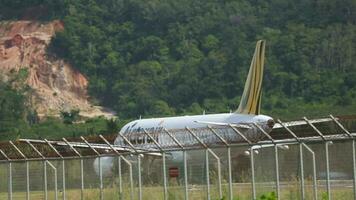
(289,191)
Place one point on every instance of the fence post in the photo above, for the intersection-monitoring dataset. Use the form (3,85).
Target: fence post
(27,180)
(64,179)
(10,180)
(253,174)
(120,174)
(327,169)
(229,172)
(82,178)
(301,163)
(207,173)
(276,159)
(139,176)
(354,167)
(165,188)
(101,179)
(185,174)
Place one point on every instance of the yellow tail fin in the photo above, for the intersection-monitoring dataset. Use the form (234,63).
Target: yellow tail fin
(251,98)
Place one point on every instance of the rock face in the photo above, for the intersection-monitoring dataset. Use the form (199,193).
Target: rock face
(56,85)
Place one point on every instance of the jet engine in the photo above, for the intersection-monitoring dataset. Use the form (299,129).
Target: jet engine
(107,164)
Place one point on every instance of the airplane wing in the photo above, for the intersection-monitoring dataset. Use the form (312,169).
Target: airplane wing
(301,122)
(224,124)
(93,145)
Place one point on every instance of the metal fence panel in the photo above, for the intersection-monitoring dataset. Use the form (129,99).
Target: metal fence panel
(321,167)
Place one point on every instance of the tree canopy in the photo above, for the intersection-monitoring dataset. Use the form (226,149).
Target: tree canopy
(173,57)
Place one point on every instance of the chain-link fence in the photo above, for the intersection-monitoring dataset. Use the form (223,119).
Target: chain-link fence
(320,166)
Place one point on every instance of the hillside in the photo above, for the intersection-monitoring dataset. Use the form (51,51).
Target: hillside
(56,85)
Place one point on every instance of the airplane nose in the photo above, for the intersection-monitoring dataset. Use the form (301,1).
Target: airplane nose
(270,123)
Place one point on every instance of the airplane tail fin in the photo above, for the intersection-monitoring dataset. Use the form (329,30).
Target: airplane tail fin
(251,98)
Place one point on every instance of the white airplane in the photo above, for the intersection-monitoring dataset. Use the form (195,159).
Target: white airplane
(244,119)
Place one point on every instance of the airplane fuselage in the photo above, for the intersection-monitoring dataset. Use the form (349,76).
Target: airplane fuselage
(158,127)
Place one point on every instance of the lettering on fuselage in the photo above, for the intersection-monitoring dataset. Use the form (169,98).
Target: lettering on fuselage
(136,135)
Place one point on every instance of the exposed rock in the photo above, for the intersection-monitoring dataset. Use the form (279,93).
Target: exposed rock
(56,84)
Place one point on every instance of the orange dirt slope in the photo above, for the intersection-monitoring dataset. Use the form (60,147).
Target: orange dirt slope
(56,84)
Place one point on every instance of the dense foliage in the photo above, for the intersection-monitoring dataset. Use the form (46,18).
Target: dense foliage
(168,57)
(173,57)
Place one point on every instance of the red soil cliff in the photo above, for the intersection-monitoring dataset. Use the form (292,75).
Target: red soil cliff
(57,86)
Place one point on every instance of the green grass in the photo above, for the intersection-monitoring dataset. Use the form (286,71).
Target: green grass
(177,193)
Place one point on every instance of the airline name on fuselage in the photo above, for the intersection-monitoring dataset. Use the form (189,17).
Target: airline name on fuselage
(139,130)
(137,136)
